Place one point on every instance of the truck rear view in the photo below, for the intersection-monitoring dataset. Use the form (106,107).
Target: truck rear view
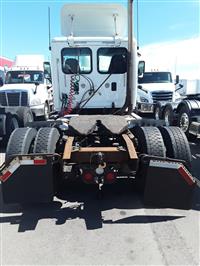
(95,137)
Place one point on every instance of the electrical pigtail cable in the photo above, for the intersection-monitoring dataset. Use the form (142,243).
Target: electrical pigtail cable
(73,80)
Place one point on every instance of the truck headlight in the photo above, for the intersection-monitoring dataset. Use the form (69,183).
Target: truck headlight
(143,99)
(36,101)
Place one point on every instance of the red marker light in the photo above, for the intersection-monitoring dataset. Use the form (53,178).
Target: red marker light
(110,177)
(88,177)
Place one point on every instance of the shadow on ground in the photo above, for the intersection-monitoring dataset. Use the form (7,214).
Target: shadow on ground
(82,202)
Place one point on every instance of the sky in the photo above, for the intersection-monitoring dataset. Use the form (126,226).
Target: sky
(168,31)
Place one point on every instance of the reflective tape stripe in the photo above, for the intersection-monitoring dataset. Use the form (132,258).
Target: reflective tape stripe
(26,162)
(185,174)
(40,162)
(14,167)
(164,164)
(5,176)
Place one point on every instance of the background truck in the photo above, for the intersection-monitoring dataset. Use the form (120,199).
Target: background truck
(11,117)
(154,87)
(184,113)
(2,76)
(95,137)
(28,83)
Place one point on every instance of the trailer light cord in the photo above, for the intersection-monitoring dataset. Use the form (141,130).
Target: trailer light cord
(73,79)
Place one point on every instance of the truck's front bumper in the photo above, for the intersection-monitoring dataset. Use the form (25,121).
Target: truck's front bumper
(38,110)
(145,107)
(195,129)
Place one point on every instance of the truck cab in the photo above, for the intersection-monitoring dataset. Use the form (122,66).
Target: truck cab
(156,87)
(90,62)
(28,83)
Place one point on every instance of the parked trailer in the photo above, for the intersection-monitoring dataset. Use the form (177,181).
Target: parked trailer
(95,136)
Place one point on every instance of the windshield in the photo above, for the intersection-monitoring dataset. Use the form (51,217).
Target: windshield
(155,77)
(25,76)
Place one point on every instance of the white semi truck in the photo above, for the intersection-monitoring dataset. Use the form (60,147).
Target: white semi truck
(185,111)
(95,137)
(156,87)
(28,83)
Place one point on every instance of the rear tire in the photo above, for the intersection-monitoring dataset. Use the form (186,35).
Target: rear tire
(12,123)
(25,116)
(46,140)
(176,144)
(20,142)
(46,143)
(149,141)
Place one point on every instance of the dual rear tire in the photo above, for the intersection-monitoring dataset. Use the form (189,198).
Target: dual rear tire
(163,142)
(29,140)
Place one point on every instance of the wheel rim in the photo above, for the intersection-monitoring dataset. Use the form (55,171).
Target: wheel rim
(157,111)
(166,118)
(29,117)
(46,112)
(184,122)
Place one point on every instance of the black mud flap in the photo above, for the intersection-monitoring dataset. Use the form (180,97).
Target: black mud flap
(28,179)
(168,185)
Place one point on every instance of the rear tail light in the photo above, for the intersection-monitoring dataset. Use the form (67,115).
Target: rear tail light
(88,177)
(110,177)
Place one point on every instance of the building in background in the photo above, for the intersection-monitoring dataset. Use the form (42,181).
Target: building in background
(4,64)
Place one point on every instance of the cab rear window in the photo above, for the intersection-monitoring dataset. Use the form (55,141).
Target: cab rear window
(76,60)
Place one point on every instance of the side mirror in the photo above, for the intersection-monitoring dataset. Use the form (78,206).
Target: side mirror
(177,79)
(180,87)
(36,85)
(1,82)
(141,68)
